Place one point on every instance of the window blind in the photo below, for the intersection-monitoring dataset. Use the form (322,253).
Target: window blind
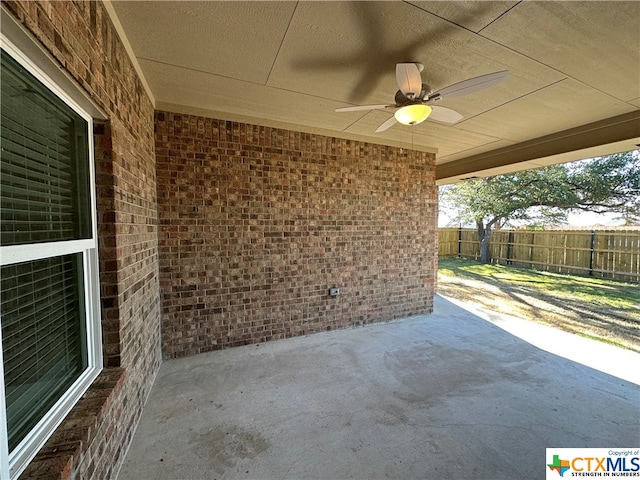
(43,342)
(44,171)
(44,197)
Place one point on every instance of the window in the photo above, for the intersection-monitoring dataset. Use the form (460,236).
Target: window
(49,306)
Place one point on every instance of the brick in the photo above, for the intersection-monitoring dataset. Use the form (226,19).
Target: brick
(239,230)
(81,38)
(292,215)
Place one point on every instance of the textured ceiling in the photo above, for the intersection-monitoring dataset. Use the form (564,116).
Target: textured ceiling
(573,90)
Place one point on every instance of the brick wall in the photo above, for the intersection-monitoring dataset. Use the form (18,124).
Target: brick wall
(80,36)
(257,223)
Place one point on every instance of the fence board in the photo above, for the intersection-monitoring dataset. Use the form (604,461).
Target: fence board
(448,242)
(603,253)
(470,247)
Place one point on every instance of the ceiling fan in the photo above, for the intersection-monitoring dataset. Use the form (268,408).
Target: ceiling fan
(414,98)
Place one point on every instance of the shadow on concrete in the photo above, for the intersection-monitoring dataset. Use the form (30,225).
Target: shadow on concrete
(452,395)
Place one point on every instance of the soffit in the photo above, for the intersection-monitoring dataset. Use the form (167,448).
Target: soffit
(291,64)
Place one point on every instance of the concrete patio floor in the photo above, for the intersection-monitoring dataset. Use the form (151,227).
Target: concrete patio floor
(452,395)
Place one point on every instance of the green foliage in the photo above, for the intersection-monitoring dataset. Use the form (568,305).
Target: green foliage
(609,184)
(604,184)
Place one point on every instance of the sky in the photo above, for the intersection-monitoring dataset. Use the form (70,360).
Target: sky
(583,219)
(588,219)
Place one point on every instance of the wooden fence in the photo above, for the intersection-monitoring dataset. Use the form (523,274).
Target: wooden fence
(611,254)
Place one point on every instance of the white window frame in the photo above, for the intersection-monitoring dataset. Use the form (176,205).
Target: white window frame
(43,68)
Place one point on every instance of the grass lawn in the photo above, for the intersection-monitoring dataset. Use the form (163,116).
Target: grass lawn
(606,310)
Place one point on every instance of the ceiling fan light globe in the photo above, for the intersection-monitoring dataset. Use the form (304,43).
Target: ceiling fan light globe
(413,114)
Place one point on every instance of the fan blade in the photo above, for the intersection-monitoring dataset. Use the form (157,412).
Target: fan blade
(409,80)
(469,86)
(444,115)
(359,108)
(389,123)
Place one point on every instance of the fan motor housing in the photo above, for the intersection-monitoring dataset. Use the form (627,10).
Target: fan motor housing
(400,98)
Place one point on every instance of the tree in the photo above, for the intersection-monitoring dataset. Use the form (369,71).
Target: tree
(601,185)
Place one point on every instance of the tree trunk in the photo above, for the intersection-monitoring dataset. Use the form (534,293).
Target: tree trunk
(484,235)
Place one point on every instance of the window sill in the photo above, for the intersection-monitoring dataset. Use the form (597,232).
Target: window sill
(61,455)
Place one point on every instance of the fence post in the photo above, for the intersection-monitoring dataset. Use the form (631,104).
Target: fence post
(593,242)
(459,241)
(509,247)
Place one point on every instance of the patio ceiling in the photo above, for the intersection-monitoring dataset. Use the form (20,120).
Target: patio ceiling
(573,90)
